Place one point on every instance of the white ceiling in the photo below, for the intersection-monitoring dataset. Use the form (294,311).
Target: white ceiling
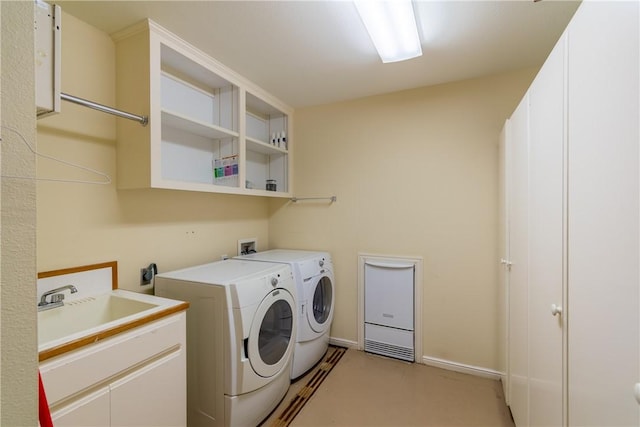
(318,52)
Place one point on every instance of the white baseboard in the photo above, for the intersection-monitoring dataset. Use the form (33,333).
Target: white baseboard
(340,342)
(435,362)
(505,388)
(465,369)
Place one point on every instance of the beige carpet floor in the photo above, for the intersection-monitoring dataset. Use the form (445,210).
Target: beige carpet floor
(370,390)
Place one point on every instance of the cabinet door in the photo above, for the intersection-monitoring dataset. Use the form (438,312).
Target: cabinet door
(152,396)
(517,169)
(546,239)
(91,410)
(603,187)
(503,251)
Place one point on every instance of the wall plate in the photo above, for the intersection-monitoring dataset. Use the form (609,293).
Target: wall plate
(247,246)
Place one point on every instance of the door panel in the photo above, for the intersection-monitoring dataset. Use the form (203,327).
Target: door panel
(603,213)
(503,251)
(546,198)
(154,395)
(518,146)
(92,410)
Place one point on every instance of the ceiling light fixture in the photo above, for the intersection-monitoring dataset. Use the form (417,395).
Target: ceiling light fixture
(392,28)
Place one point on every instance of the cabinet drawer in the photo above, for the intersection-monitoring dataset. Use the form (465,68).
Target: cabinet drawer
(74,372)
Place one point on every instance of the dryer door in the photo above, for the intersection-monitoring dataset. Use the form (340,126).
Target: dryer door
(321,309)
(270,344)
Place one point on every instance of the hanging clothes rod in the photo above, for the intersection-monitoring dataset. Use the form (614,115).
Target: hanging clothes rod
(299,199)
(143,120)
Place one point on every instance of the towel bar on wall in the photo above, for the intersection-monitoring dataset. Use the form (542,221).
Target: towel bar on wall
(300,199)
(143,120)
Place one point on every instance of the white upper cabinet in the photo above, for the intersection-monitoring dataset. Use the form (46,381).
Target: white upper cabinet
(209,129)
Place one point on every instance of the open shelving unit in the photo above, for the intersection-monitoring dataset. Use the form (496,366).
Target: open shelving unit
(209,129)
(266,148)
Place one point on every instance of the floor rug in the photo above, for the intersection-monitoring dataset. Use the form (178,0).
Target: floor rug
(299,400)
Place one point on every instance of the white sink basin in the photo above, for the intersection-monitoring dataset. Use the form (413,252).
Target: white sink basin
(90,315)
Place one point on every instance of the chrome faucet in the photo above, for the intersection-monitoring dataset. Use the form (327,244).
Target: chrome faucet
(57,297)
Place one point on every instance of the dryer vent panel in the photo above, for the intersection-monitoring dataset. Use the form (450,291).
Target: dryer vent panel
(389,318)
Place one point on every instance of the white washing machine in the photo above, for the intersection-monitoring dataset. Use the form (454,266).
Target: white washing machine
(313,273)
(241,332)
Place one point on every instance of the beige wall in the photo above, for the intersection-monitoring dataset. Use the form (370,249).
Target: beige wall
(18,361)
(81,224)
(415,174)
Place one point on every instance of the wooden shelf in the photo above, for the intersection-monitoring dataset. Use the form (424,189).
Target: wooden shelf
(196,127)
(263,148)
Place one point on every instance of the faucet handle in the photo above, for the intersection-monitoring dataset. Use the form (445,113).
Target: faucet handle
(56,298)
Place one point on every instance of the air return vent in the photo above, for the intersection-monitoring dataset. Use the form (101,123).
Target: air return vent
(389,321)
(395,351)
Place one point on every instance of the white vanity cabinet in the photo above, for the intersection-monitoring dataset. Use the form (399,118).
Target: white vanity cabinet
(209,129)
(91,410)
(136,378)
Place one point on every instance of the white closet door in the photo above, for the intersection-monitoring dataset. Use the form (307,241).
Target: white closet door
(503,251)
(546,196)
(603,324)
(518,147)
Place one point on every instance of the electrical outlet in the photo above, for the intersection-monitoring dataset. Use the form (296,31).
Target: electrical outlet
(147,274)
(144,280)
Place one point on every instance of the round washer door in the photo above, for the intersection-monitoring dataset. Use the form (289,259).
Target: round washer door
(321,304)
(270,344)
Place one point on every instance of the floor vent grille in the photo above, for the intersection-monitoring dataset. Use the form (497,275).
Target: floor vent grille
(390,350)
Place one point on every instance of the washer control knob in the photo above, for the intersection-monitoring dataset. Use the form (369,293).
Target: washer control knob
(274,281)
(321,263)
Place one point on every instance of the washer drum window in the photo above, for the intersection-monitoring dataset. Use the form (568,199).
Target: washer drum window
(275,332)
(269,343)
(322,298)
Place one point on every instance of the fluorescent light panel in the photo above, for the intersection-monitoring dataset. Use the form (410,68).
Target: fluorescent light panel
(392,28)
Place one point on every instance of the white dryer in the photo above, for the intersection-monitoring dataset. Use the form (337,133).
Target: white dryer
(313,273)
(241,332)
